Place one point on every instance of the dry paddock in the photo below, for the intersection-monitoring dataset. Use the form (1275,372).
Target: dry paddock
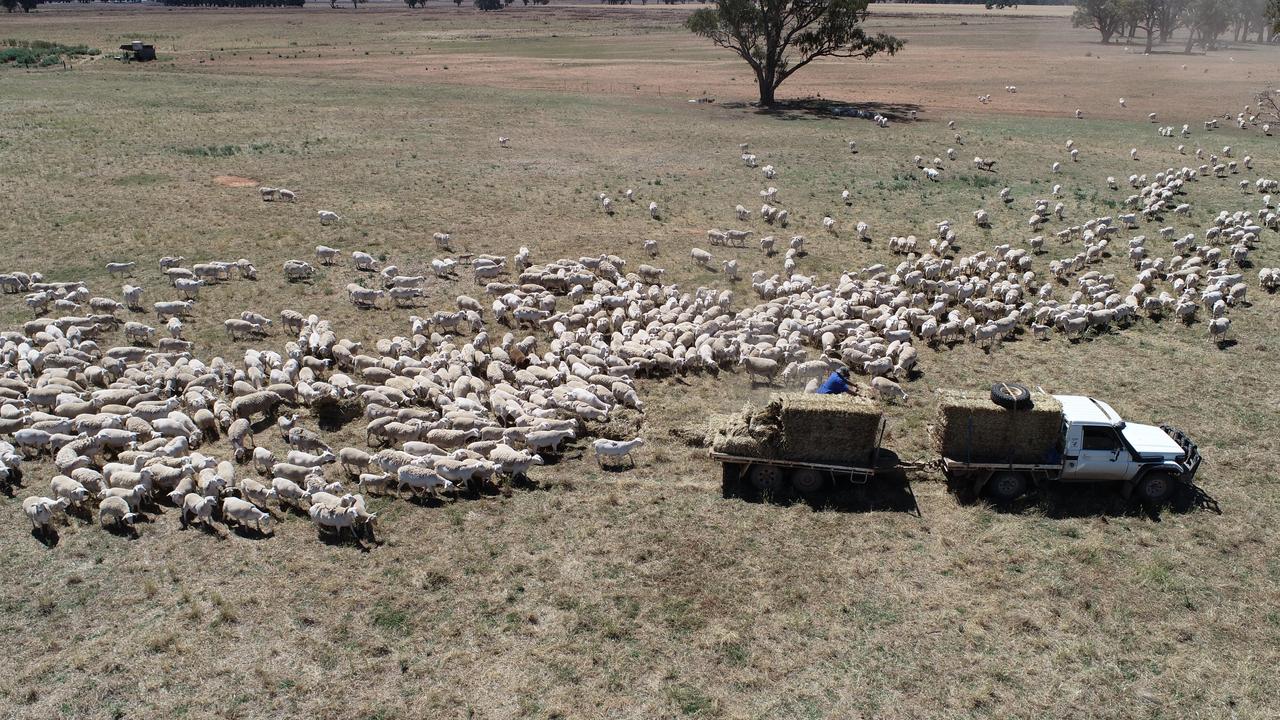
(639,593)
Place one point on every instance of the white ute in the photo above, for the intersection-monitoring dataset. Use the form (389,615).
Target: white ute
(1098,446)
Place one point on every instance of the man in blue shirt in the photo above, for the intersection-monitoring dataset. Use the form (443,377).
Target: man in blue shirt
(837,384)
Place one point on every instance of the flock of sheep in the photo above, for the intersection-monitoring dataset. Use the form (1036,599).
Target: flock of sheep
(471,395)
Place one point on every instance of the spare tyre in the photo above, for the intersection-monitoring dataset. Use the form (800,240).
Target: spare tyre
(1011,395)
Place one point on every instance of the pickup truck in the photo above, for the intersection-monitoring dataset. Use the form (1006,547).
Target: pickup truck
(1096,446)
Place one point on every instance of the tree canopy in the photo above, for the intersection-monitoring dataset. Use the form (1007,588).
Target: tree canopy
(778,37)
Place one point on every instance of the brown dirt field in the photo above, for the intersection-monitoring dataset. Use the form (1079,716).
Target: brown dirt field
(234,181)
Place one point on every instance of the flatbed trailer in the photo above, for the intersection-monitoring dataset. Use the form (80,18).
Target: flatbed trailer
(777,476)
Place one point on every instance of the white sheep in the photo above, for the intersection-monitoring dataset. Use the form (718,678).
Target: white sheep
(328,216)
(615,448)
(244,514)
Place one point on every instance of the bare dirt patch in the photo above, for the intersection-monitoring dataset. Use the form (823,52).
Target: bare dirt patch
(233,181)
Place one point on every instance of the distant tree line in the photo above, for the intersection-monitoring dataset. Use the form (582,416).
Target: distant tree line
(1206,21)
(233,3)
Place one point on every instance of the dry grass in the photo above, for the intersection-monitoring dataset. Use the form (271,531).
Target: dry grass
(641,594)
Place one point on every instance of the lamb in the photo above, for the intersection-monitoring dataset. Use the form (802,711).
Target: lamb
(328,518)
(197,507)
(829,224)
(121,269)
(327,255)
(760,367)
(133,495)
(243,328)
(287,195)
(244,513)
(932,174)
(418,478)
(132,296)
(268,193)
(255,492)
(116,512)
(442,241)
(653,210)
(1218,328)
(701,257)
(287,490)
(262,401)
(651,248)
(504,141)
(40,511)
(328,216)
(64,487)
(305,459)
(888,389)
(615,448)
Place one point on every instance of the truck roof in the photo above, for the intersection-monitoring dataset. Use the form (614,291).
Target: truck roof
(1084,409)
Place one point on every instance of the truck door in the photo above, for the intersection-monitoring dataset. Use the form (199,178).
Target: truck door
(1100,456)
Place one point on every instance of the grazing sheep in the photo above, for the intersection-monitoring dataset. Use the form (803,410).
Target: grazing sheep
(115,511)
(197,507)
(887,389)
(40,511)
(244,514)
(328,216)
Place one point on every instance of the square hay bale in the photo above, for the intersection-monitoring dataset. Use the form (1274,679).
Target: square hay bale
(836,429)
(972,428)
(750,433)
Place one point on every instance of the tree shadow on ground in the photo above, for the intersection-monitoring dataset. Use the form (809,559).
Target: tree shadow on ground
(821,108)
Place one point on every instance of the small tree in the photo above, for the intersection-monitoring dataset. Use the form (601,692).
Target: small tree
(778,37)
(487,5)
(27,5)
(10,5)
(1205,20)
(1105,16)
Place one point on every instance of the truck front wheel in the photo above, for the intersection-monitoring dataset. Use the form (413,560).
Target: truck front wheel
(1156,487)
(1006,486)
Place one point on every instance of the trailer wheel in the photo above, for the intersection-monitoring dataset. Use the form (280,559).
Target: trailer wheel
(808,481)
(1011,395)
(1006,486)
(1156,487)
(767,478)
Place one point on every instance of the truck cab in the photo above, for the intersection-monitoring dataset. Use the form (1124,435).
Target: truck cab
(1099,446)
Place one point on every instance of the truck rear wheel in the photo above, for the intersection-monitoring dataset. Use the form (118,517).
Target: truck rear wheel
(1157,487)
(808,481)
(767,479)
(1006,486)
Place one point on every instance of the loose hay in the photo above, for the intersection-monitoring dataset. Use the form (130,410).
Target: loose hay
(972,428)
(810,428)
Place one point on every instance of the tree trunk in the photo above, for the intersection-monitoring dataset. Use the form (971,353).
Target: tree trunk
(1106,36)
(766,90)
(1150,39)
(1191,39)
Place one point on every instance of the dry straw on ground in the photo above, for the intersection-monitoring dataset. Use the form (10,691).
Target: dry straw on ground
(970,427)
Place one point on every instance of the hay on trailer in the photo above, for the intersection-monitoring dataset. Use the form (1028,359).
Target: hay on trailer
(836,429)
(811,428)
(750,433)
(972,428)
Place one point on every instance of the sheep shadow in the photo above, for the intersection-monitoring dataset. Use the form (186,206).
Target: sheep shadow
(123,530)
(618,468)
(342,539)
(249,533)
(48,538)
(1226,344)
